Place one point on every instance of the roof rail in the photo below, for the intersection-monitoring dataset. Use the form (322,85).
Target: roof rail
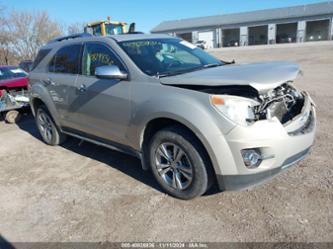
(68,37)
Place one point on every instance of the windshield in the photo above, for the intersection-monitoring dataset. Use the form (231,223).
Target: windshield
(11,72)
(113,29)
(165,57)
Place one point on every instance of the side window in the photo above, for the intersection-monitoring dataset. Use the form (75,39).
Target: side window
(3,74)
(40,56)
(96,55)
(66,60)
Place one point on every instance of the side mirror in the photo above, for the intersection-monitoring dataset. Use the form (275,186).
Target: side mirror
(110,72)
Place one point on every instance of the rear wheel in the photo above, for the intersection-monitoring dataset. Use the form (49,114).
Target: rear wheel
(179,163)
(47,128)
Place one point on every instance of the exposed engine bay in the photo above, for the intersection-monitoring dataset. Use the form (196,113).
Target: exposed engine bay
(283,102)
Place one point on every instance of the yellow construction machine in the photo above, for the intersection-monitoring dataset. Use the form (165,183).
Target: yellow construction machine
(108,27)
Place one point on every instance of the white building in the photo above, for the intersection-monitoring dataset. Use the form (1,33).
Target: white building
(311,22)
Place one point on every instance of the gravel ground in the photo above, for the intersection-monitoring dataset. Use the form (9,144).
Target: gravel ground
(83,192)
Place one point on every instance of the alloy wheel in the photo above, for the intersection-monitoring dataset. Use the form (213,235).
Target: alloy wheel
(173,166)
(45,126)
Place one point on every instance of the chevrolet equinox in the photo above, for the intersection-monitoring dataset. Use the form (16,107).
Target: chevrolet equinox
(192,119)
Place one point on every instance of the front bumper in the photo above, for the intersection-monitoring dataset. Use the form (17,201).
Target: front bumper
(239,182)
(281,146)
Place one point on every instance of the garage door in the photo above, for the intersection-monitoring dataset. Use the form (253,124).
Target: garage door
(208,37)
(258,35)
(317,30)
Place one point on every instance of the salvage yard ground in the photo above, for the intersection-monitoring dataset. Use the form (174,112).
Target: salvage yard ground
(83,192)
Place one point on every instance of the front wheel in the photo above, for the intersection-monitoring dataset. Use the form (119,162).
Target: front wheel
(179,163)
(47,128)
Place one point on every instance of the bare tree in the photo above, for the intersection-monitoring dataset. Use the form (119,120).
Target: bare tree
(30,31)
(75,28)
(6,56)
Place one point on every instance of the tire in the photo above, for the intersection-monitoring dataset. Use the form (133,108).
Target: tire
(48,130)
(13,117)
(187,174)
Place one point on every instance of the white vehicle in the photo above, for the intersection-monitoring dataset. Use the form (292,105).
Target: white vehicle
(201,44)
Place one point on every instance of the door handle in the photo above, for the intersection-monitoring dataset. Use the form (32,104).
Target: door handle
(82,88)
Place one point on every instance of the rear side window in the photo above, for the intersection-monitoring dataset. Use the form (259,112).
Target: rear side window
(40,56)
(66,60)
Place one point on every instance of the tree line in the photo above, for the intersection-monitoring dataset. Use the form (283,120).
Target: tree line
(22,33)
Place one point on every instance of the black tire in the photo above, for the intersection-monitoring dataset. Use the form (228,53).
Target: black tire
(54,136)
(195,158)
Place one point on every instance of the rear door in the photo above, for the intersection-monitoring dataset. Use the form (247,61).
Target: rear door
(63,71)
(102,105)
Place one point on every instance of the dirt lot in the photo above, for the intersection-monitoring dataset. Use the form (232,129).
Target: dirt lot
(88,193)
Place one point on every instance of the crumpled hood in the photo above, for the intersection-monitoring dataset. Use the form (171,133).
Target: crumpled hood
(261,76)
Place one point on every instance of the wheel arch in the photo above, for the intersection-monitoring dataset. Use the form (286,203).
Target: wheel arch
(36,101)
(158,123)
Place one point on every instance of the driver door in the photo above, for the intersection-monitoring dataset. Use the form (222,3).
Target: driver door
(102,105)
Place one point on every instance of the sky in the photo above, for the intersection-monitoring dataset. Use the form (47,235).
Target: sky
(146,13)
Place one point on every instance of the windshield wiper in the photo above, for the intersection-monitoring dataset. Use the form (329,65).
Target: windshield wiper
(189,70)
(228,62)
(212,65)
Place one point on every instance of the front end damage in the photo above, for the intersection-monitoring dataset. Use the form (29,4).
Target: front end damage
(271,124)
(278,131)
(293,109)
(283,102)
(279,134)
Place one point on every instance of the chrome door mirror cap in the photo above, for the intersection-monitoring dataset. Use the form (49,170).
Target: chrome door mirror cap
(110,72)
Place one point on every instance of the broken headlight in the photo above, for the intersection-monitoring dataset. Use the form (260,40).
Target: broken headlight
(240,110)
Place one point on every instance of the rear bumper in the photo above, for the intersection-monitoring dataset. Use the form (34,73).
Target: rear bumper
(240,182)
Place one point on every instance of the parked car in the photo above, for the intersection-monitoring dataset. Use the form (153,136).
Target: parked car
(191,119)
(201,44)
(12,77)
(26,65)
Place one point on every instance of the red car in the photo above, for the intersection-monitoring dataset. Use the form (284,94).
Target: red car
(12,77)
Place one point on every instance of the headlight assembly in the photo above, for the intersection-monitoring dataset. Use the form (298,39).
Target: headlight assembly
(238,109)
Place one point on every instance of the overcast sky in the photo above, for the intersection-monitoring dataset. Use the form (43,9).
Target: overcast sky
(146,13)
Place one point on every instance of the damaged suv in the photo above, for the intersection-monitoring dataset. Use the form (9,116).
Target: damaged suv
(192,119)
